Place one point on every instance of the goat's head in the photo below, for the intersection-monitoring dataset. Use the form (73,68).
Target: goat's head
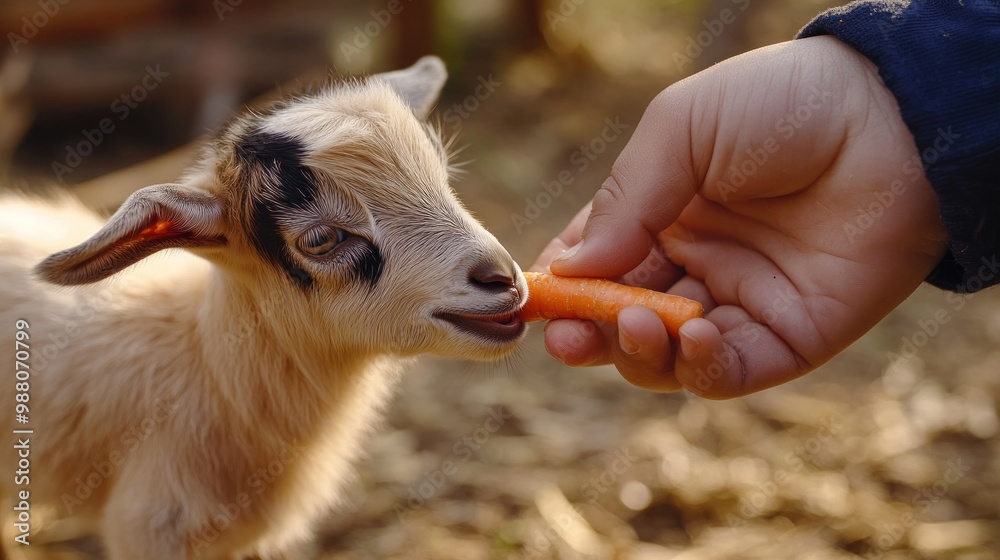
(335,209)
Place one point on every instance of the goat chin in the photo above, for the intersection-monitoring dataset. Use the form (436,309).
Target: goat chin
(208,403)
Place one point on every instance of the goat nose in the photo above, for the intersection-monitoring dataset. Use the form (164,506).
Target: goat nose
(488,276)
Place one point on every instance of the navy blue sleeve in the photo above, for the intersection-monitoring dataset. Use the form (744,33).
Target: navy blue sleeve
(941,60)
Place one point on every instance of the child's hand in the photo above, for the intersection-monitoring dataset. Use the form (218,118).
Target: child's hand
(787,194)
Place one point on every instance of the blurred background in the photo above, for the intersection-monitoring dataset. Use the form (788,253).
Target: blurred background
(889,451)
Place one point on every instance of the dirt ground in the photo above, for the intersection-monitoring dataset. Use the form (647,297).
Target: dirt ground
(889,451)
(866,457)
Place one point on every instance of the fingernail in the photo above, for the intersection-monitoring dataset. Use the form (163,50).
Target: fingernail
(689,346)
(569,253)
(628,344)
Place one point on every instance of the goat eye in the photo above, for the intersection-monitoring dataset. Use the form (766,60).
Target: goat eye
(321,240)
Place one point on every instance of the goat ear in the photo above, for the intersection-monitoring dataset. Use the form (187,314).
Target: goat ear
(419,85)
(151,219)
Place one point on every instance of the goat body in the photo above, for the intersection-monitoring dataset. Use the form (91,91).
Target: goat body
(208,403)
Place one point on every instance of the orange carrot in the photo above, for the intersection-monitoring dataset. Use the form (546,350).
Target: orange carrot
(560,297)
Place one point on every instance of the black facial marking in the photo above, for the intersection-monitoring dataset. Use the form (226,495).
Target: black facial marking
(300,276)
(368,264)
(292,187)
(282,157)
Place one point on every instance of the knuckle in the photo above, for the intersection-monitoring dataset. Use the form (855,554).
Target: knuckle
(647,369)
(612,190)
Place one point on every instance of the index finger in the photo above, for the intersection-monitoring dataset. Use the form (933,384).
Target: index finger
(651,182)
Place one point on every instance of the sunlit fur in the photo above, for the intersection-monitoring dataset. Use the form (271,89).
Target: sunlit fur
(226,364)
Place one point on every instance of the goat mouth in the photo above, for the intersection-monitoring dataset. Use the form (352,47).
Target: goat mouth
(501,327)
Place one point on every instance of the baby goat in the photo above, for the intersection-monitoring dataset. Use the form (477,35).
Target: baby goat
(210,407)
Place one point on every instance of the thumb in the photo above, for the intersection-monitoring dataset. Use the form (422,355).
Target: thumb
(651,182)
